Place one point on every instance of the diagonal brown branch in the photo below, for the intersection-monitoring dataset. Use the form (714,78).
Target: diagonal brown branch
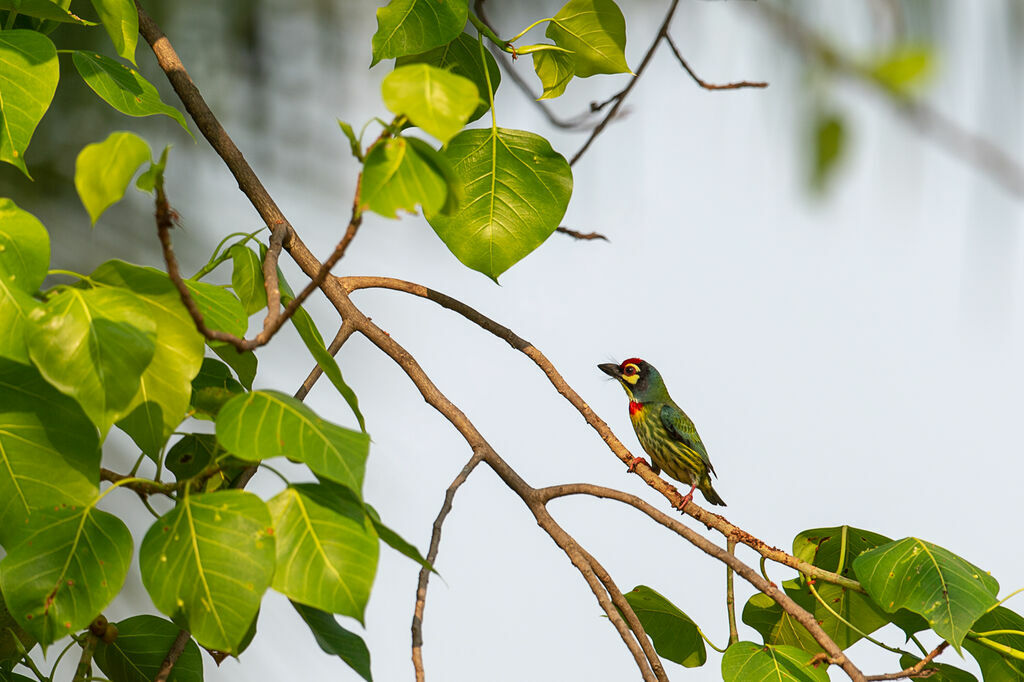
(916,670)
(703,83)
(177,648)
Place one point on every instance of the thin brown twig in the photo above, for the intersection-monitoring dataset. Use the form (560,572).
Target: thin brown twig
(435,546)
(801,615)
(703,83)
(716,521)
(971,148)
(621,97)
(915,671)
(344,332)
(143,488)
(586,236)
(173,654)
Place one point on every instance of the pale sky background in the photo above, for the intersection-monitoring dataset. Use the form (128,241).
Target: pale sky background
(852,358)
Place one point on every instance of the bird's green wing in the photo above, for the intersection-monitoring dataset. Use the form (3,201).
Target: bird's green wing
(682,429)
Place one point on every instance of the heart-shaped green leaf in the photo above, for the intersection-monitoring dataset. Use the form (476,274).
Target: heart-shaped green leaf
(675,635)
(462,57)
(69,563)
(326,548)
(412,26)
(24,260)
(948,591)
(49,450)
(404,172)
(104,169)
(165,387)
(515,191)
(28,78)
(746,661)
(94,345)
(122,88)
(207,562)
(140,649)
(265,424)
(595,31)
(438,101)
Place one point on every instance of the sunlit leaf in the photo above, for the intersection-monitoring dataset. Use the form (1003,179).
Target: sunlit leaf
(595,31)
(996,656)
(207,563)
(516,190)
(153,175)
(140,649)
(29,72)
(69,563)
(400,174)
(435,100)
(829,145)
(265,424)
(462,57)
(122,88)
(121,21)
(674,634)
(555,70)
(94,345)
(326,548)
(904,69)
(247,278)
(746,661)
(412,26)
(104,169)
(24,260)
(948,591)
(165,387)
(336,640)
(44,9)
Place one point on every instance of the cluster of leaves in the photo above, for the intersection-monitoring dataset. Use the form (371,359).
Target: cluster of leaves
(116,348)
(910,583)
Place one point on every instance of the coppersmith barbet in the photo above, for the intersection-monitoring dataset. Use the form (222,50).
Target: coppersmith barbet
(663,429)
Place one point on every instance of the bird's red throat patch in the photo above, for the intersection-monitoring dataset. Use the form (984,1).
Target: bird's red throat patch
(634,407)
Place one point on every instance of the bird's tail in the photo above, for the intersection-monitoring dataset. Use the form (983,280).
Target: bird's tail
(710,495)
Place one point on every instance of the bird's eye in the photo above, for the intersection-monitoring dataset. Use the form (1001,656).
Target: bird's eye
(630,370)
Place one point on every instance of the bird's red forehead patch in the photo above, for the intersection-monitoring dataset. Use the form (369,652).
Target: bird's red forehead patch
(634,407)
(631,361)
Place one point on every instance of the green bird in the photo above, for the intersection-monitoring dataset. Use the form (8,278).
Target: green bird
(664,430)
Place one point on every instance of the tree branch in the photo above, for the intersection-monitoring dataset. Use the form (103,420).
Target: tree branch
(435,546)
(177,648)
(344,332)
(704,84)
(916,670)
(730,595)
(709,519)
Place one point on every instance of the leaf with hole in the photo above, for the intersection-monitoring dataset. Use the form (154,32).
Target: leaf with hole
(462,58)
(675,635)
(437,101)
(94,345)
(207,562)
(140,649)
(746,661)
(327,548)
(192,454)
(516,189)
(104,169)
(49,450)
(29,72)
(122,88)
(265,424)
(595,31)
(24,260)
(407,27)
(948,591)
(69,563)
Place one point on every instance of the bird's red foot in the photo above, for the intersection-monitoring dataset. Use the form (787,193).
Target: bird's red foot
(636,460)
(687,498)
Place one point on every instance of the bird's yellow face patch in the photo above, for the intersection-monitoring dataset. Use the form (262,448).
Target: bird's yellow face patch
(631,374)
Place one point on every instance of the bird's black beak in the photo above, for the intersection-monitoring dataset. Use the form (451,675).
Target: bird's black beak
(611,369)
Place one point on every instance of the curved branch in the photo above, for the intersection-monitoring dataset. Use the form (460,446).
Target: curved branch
(801,615)
(716,521)
(703,83)
(915,670)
